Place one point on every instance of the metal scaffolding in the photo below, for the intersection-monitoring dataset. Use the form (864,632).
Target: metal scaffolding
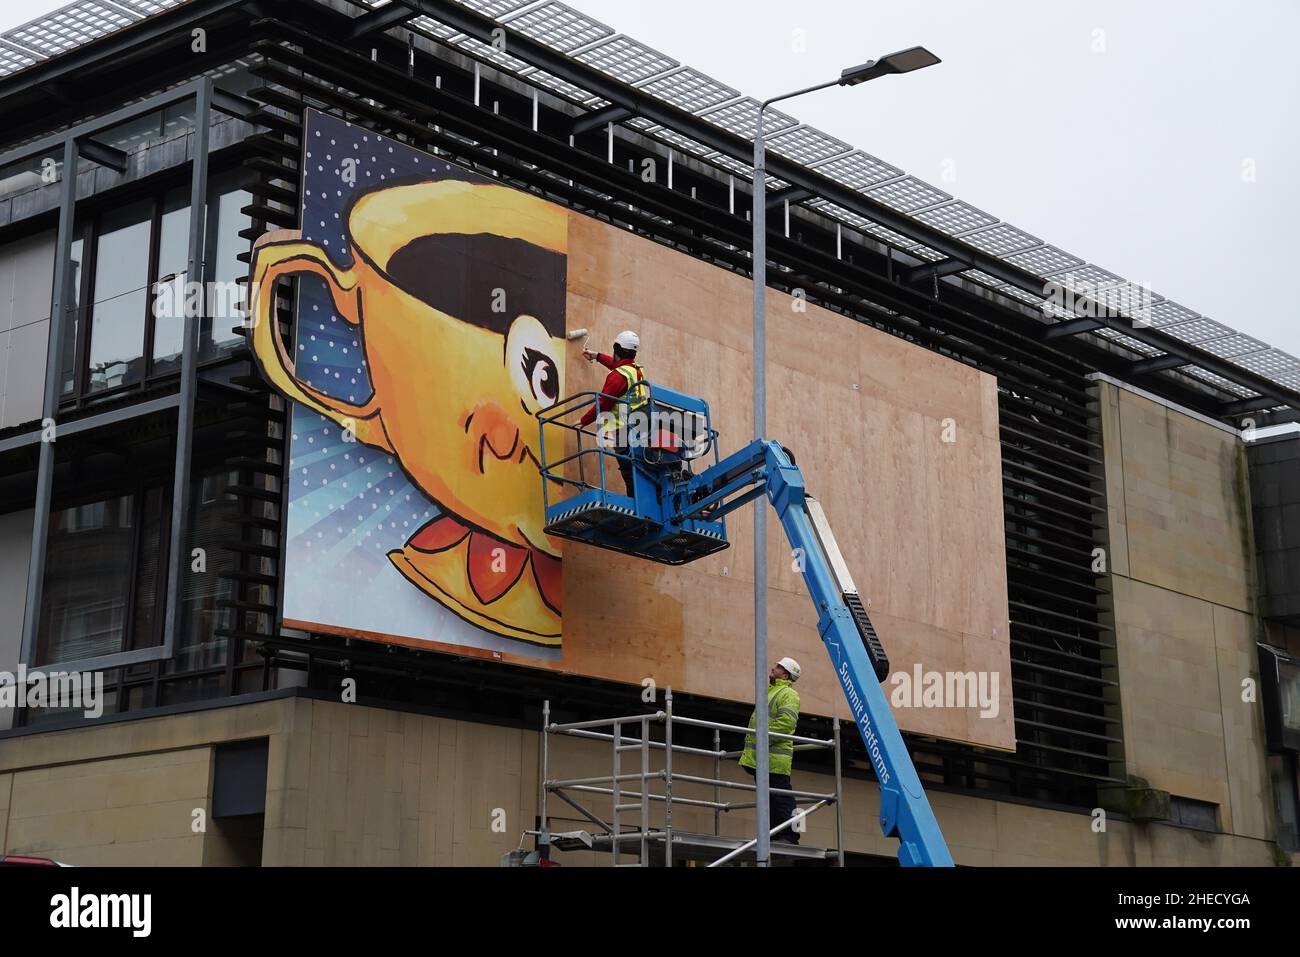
(662,843)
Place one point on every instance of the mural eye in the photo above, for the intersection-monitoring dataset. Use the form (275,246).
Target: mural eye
(542,377)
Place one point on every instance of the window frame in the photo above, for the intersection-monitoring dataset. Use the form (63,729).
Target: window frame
(222,179)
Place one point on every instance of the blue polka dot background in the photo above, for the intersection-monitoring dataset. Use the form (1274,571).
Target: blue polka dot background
(349,504)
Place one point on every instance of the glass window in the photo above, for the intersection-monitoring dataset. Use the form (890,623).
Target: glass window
(119,301)
(73,321)
(88,577)
(203,610)
(1288,674)
(226,300)
(170,294)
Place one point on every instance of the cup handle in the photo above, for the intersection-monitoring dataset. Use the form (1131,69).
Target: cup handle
(284,253)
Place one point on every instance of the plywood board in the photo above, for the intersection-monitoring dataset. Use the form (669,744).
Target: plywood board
(899,444)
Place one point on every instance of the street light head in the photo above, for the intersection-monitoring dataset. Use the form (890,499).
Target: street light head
(904,61)
(913,58)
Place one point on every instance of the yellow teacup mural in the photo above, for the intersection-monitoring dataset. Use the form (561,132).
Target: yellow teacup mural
(456,291)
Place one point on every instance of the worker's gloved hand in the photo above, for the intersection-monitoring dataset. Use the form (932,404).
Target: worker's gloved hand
(589,355)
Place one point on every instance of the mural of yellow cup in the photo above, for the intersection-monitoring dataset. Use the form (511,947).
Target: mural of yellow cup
(457,291)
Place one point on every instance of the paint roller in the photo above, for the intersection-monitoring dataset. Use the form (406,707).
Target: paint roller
(576,334)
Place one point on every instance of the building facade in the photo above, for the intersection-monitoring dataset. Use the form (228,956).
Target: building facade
(1115,534)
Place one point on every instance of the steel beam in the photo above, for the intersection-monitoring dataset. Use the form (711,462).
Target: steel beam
(790,194)
(1256,404)
(944,267)
(102,153)
(1071,327)
(50,405)
(597,119)
(123,413)
(1156,364)
(377,20)
(178,558)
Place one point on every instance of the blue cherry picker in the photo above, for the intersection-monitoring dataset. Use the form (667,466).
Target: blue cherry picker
(673,515)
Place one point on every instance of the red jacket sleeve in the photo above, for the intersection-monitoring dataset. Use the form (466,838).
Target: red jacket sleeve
(615,385)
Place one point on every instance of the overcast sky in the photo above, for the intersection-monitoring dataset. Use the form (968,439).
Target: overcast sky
(1159,139)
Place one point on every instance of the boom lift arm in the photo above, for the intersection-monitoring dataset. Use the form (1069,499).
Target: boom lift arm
(670,509)
(846,631)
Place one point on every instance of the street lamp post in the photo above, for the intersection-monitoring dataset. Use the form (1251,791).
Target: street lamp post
(904,61)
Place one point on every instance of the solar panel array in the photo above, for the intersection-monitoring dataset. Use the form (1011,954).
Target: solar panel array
(599,46)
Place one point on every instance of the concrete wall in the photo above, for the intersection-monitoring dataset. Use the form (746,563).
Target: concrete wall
(26,281)
(1185,625)
(354,785)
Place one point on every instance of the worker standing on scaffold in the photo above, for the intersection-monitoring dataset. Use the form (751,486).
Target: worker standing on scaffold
(626,380)
(783,718)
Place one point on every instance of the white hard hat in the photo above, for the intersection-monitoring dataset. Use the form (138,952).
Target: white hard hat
(628,340)
(792,666)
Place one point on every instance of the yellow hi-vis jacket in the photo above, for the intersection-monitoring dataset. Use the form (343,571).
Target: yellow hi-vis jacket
(782,718)
(632,399)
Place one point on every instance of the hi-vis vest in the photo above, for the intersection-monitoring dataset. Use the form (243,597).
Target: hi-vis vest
(782,718)
(632,399)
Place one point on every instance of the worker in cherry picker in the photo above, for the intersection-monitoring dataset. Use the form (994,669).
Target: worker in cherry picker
(624,393)
(783,718)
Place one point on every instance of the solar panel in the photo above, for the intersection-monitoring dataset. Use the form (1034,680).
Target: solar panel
(1226,347)
(806,145)
(571,32)
(1086,277)
(1270,363)
(1128,342)
(857,170)
(1197,330)
(1044,261)
(908,194)
(492,54)
(69,27)
(493,8)
(566,89)
(1168,312)
(956,217)
(558,26)
(683,142)
(741,118)
(623,58)
(689,89)
(13,58)
(433,27)
(1001,240)
(1213,378)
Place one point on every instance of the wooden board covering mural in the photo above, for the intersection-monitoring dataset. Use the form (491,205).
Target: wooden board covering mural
(919,519)
(898,443)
